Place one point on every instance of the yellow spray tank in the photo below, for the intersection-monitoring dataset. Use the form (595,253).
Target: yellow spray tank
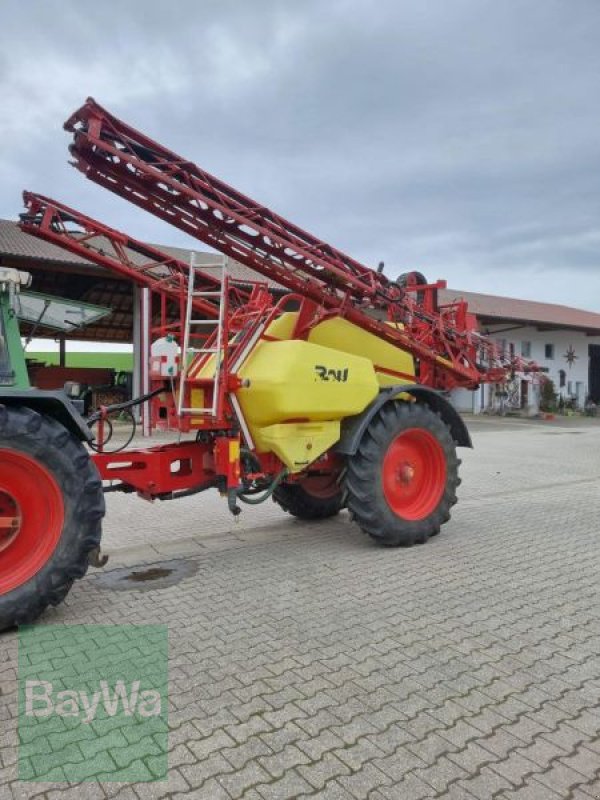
(299,391)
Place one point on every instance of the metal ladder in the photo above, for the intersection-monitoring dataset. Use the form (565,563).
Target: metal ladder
(191,322)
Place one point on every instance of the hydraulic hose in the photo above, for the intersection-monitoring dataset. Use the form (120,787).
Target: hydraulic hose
(254,501)
(116,407)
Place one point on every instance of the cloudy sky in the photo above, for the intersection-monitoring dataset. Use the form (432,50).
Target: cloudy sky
(457,137)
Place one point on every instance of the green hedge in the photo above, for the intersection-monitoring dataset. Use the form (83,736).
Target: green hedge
(118,361)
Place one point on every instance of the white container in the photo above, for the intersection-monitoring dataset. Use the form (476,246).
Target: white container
(164,358)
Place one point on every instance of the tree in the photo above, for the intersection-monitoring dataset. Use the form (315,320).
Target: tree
(548,395)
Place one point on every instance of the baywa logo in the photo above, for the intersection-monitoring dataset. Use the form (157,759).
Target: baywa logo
(93,703)
(325,374)
(41,701)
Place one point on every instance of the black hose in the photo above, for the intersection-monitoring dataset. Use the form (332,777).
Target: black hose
(115,407)
(126,405)
(253,501)
(99,447)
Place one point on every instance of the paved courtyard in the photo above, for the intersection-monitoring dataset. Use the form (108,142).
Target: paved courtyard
(307,662)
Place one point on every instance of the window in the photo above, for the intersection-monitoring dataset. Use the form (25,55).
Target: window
(562,377)
(570,388)
(526,349)
(549,351)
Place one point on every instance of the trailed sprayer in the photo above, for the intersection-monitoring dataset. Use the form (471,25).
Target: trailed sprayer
(322,385)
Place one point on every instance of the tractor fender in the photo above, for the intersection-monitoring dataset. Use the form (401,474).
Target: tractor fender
(53,404)
(354,427)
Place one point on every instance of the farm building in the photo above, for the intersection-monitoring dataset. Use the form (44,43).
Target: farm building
(563,340)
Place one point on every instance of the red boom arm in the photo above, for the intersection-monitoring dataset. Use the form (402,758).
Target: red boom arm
(111,153)
(116,156)
(92,240)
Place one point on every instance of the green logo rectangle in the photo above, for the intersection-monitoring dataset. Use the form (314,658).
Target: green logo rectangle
(93,703)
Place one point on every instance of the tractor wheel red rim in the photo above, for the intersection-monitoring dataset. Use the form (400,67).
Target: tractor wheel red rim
(31,518)
(414,474)
(322,486)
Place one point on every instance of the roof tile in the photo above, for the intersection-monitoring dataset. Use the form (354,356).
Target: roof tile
(530,311)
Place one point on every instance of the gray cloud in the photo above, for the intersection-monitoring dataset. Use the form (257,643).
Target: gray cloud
(459,137)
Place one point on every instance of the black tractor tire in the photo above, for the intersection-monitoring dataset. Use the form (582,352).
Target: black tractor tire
(299,502)
(58,494)
(401,483)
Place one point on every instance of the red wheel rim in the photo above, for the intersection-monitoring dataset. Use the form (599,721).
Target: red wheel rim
(31,518)
(321,486)
(414,474)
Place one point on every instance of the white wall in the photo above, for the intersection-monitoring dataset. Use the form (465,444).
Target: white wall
(576,375)
(465,400)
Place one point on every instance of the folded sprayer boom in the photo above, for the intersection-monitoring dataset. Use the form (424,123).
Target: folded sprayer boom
(322,384)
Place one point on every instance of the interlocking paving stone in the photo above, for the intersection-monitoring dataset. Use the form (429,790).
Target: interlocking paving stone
(485,784)
(323,771)
(305,661)
(289,787)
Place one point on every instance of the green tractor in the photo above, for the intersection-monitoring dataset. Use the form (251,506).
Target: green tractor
(51,498)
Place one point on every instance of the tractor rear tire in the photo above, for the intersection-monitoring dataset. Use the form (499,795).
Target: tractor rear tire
(401,483)
(317,497)
(51,509)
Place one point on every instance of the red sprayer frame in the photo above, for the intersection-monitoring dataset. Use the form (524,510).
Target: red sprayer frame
(118,252)
(442,339)
(321,281)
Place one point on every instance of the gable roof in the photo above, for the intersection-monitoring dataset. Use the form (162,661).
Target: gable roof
(18,244)
(492,309)
(14,242)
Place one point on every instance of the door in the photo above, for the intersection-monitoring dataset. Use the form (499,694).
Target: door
(594,372)
(524,394)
